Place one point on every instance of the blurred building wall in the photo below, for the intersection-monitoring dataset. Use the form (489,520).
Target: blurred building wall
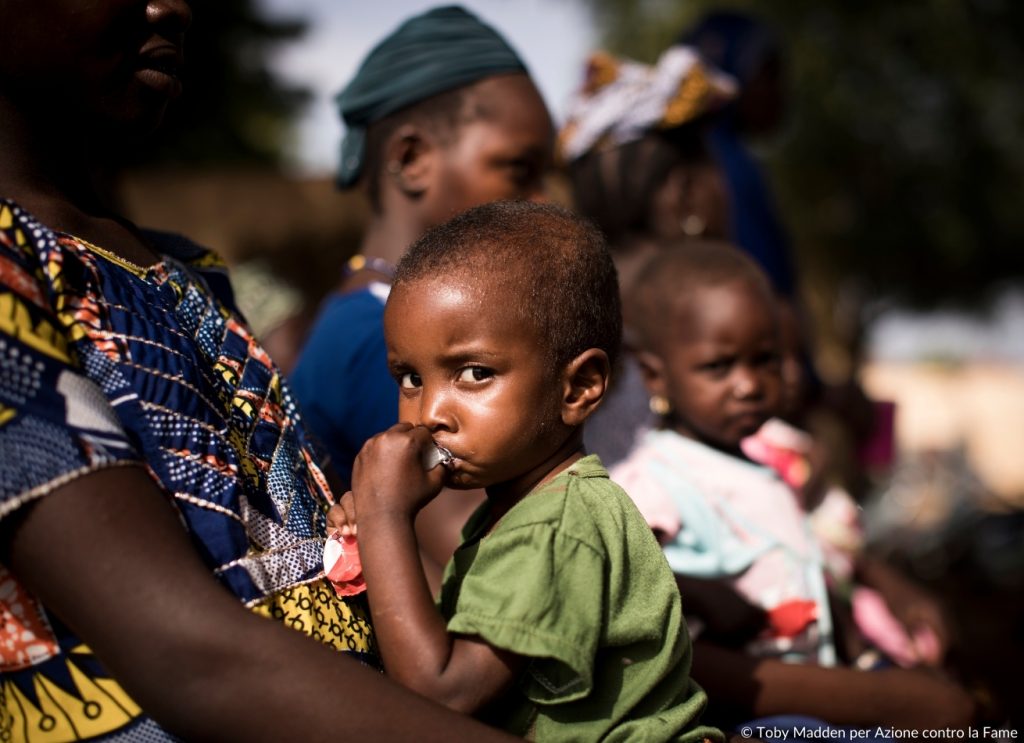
(976,405)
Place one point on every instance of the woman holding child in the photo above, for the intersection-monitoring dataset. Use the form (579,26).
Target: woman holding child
(158,491)
(706,336)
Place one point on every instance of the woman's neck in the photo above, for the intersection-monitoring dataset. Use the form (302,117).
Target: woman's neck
(58,181)
(387,239)
(40,163)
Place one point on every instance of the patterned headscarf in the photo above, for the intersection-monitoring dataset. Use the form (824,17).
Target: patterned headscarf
(621,100)
(440,50)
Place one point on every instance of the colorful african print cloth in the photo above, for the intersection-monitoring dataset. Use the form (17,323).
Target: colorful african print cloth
(622,100)
(104,364)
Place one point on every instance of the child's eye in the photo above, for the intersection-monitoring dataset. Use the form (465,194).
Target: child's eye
(474,374)
(409,380)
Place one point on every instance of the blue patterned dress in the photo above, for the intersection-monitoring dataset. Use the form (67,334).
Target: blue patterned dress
(107,364)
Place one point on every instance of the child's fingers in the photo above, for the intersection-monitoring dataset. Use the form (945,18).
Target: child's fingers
(348,505)
(389,472)
(341,517)
(336,518)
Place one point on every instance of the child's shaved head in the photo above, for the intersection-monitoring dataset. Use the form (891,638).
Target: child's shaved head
(551,267)
(664,287)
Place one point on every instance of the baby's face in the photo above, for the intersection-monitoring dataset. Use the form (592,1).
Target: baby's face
(722,367)
(479,380)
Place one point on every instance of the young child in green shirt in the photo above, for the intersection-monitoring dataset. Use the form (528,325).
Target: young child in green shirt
(559,617)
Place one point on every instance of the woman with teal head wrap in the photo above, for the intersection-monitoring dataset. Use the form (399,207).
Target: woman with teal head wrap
(441,116)
(443,49)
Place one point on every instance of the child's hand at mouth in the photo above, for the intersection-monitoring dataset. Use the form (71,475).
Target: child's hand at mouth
(389,475)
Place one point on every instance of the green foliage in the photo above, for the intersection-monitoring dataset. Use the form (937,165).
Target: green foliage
(234,110)
(901,165)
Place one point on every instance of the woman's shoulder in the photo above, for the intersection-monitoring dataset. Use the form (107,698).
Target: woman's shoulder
(20,231)
(24,236)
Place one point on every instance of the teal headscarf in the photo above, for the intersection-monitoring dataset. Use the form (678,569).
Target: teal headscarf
(443,49)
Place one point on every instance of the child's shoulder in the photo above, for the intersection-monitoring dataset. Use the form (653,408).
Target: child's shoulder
(581,503)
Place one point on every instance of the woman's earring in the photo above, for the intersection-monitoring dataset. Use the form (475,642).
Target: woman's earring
(659,405)
(693,225)
(394,168)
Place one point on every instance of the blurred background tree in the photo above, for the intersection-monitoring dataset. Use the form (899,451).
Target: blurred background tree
(900,170)
(234,110)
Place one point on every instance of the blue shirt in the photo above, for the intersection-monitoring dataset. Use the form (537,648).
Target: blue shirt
(342,381)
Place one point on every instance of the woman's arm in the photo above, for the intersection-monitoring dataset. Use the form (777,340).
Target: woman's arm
(750,688)
(730,620)
(107,555)
(390,486)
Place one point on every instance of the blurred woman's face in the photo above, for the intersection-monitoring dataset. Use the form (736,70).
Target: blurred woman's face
(109,66)
(693,201)
(503,155)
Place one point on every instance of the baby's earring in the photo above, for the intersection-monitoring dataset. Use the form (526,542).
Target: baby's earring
(693,225)
(659,405)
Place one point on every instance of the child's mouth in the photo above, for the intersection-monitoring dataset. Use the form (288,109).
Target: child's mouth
(436,455)
(750,420)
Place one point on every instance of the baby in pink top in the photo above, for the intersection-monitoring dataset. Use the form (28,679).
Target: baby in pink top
(705,321)
(705,333)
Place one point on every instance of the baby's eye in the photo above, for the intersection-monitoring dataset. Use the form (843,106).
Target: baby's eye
(409,380)
(767,358)
(717,366)
(474,374)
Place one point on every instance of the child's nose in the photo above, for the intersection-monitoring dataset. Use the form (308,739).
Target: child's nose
(748,383)
(435,411)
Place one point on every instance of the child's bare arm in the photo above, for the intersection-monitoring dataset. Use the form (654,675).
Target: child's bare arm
(755,687)
(390,486)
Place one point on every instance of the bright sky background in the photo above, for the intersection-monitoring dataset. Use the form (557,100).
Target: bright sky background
(552,36)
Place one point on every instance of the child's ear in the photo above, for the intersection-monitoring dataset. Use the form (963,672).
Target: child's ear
(652,371)
(585,381)
(410,160)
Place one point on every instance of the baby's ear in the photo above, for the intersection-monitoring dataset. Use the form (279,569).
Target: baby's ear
(585,381)
(652,371)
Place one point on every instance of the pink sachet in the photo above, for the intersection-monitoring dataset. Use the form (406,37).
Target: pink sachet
(342,565)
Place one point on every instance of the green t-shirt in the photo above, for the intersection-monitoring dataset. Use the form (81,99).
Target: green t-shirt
(573,578)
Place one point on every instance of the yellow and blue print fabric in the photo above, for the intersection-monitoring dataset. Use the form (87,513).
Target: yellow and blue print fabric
(102,364)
